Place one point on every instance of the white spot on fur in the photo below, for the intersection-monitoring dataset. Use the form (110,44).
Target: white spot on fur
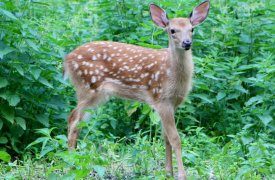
(85,71)
(93,79)
(76,66)
(105,56)
(91,65)
(157,75)
(79,73)
(91,50)
(105,70)
(94,57)
(79,56)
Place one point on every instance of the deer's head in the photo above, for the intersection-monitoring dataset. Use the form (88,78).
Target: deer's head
(180,29)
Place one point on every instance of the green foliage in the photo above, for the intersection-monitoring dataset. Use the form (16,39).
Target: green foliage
(226,124)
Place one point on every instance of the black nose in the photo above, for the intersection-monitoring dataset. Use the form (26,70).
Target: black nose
(186,44)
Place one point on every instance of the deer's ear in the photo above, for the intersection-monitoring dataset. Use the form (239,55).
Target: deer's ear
(158,16)
(199,14)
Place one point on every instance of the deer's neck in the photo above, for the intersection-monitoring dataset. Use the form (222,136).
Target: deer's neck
(181,63)
(180,73)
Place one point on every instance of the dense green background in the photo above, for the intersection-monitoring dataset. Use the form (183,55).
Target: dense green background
(226,124)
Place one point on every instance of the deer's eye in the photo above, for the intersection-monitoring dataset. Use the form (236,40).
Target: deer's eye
(192,29)
(173,31)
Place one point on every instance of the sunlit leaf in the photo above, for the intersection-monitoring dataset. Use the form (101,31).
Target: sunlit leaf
(265,118)
(255,99)
(8,14)
(220,95)
(4,156)
(35,72)
(13,99)
(100,170)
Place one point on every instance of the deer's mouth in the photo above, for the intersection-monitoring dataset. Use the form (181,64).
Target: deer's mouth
(187,47)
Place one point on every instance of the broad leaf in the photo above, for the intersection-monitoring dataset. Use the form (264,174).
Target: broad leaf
(3,82)
(35,72)
(266,119)
(255,99)
(1,124)
(43,119)
(100,170)
(13,100)
(21,122)
(3,140)
(5,51)
(4,156)
(220,96)
(7,113)
(45,82)
(203,97)
(8,14)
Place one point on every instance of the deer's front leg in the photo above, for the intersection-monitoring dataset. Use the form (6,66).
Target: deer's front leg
(168,159)
(166,112)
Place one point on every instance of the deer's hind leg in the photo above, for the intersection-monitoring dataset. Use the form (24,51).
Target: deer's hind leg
(77,115)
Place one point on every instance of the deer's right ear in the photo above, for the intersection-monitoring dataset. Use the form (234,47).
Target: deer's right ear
(158,16)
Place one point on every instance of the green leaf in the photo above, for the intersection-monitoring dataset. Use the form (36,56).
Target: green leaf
(43,119)
(5,51)
(246,139)
(3,140)
(13,100)
(4,95)
(257,99)
(203,97)
(154,117)
(100,170)
(32,44)
(53,176)
(8,14)
(8,113)
(21,122)
(45,82)
(1,124)
(266,119)
(37,141)
(35,72)
(3,82)
(19,69)
(4,156)
(220,96)
(240,88)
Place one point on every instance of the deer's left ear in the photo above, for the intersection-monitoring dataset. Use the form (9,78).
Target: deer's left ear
(199,14)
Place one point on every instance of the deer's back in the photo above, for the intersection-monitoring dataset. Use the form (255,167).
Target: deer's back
(129,67)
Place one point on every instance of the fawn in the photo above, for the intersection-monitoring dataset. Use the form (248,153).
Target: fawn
(162,78)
